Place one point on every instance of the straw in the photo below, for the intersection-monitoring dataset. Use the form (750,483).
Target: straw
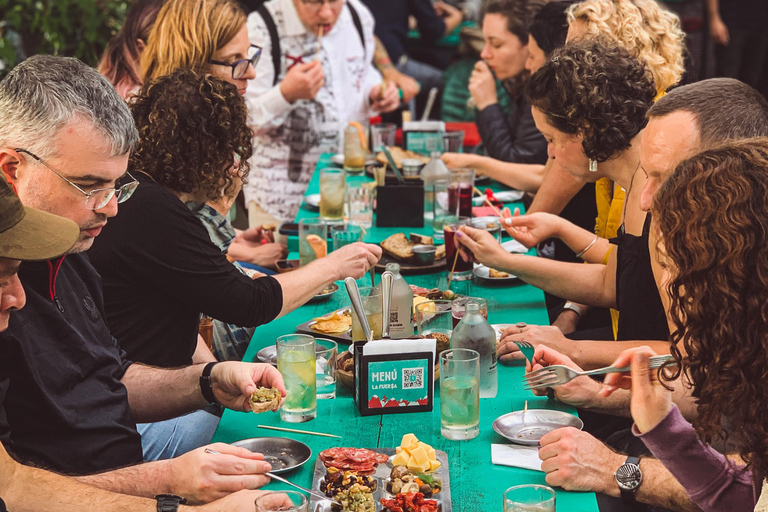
(282,429)
(319,41)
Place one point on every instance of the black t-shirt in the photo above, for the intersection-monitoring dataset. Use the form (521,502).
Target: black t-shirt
(744,14)
(392,22)
(65,405)
(161,270)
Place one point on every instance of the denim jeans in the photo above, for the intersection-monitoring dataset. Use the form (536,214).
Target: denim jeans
(168,439)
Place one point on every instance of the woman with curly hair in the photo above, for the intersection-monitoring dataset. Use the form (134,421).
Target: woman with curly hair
(712,217)
(590,102)
(121,60)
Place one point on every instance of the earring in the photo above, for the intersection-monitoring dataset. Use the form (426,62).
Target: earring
(592,165)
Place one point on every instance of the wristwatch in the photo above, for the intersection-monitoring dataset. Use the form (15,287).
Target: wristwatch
(629,477)
(206,389)
(169,502)
(573,307)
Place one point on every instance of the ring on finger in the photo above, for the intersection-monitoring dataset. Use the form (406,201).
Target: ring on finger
(521,326)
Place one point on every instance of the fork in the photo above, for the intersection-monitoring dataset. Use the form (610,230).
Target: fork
(557,375)
(527,349)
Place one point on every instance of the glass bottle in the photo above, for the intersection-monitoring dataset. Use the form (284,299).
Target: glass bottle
(401,310)
(434,171)
(474,332)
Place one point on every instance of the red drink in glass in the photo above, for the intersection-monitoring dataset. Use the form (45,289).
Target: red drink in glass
(462,266)
(460,196)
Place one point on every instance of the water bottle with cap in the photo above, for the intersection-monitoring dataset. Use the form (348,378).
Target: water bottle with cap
(474,332)
(401,310)
(435,170)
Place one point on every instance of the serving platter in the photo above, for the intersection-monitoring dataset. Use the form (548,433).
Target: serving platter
(528,427)
(410,269)
(345,337)
(381,475)
(283,454)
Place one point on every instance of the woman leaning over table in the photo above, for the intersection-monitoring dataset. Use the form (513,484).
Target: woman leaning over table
(590,102)
(712,216)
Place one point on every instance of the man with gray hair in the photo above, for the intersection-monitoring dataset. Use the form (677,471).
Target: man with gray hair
(65,136)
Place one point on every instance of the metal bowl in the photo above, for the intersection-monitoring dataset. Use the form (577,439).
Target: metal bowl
(412,167)
(530,426)
(283,454)
(424,254)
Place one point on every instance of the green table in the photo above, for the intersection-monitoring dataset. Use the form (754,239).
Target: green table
(476,484)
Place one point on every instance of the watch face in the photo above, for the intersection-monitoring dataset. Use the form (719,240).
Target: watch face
(629,477)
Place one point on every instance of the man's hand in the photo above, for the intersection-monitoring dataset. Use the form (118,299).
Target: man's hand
(202,477)
(267,254)
(537,335)
(241,501)
(254,236)
(352,260)
(302,81)
(576,461)
(459,160)
(485,248)
(386,100)
(409,86)
(719,31)
(451,15)
(651,401)
(482,86)
(233,383)
(567,321)
(532,228)
(580,392)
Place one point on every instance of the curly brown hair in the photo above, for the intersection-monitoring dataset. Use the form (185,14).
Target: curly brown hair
(594,88)
(712,214)
(191,129)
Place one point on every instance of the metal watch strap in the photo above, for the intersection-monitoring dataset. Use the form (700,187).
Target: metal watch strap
(628,496)
(205,383)
(169,502)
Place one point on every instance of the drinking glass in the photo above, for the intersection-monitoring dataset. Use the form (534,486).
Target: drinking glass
(372,306)
(313,233)
(440,206)
(326,352)
(489,224)
(332,187)
(355,146)
(296,362)
(459,307)
(434,316)
(462,270)
(529,498)
(382,135)
(459,394)
(345,234)
(460,192)
(360,203)
(283,501)
(453,142)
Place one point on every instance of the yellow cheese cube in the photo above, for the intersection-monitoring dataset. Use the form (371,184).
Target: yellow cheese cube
(419,454)
(409,442)
(431,454)
(433,465)
(401,459)
(415,467)
(398,449)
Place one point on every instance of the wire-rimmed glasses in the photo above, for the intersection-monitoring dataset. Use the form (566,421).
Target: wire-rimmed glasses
(99,198)
(240,67)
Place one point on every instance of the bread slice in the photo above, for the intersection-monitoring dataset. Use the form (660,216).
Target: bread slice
(399,154)
(398,247)
(421,239)
(265,399)
(492,272)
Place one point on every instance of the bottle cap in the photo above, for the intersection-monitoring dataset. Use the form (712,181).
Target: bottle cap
(393,267)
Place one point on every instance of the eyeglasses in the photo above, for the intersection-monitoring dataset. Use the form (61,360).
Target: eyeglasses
(240,67)
(99,198)
(318,4)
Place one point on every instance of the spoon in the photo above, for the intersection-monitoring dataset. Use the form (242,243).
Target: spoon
(392,164)
(357,306)
(386,303)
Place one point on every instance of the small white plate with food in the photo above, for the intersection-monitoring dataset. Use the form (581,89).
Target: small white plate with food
(490,275)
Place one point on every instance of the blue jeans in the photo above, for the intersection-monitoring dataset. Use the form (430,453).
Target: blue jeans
(427,76)
(171,438)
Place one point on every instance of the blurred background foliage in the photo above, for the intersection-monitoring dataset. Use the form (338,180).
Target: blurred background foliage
(71,28)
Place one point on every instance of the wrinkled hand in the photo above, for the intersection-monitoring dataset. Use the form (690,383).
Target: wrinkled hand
(580,392)
(482,86)
(267,254)
(407,84)
(203,477)
(353,260)
(532,228)
(459,160)
(302,81)
(651,401)
(719,31)
(483,246)
(537,335)
(576,461)
(241,501)
(386,102)
(233,382)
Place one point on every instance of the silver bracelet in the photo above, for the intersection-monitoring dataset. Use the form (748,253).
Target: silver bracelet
(587,247)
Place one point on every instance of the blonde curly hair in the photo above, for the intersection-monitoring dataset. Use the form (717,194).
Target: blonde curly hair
(647,30)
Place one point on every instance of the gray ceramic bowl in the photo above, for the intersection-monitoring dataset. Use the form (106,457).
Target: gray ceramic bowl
(424,254)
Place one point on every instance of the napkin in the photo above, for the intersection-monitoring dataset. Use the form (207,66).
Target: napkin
(516,455)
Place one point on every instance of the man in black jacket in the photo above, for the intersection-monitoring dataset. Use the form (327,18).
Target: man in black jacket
(65,136)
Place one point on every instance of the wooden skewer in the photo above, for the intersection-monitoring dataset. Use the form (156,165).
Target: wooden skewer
(319,41)
(295,431)
(455,259)
(489,203)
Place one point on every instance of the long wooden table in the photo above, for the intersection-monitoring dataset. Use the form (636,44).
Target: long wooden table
(476,484)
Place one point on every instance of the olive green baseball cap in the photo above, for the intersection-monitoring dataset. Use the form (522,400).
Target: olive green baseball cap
(30,234)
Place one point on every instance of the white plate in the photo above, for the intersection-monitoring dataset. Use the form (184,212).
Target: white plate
(482,273)
(338,159)
(506,196)
(530,426)
(313,201)
(499,330)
